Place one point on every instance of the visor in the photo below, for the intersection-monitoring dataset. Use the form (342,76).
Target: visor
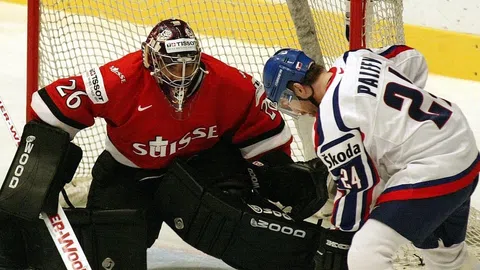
(289,104)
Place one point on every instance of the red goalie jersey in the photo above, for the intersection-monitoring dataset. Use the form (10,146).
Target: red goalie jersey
(141,129)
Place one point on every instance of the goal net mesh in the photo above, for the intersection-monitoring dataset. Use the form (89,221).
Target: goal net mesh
(76,35)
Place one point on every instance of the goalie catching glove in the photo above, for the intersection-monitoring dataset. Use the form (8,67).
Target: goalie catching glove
(209,202)
(275,176)
(301,185)
(44,162)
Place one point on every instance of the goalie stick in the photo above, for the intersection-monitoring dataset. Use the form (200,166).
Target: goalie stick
(58,225)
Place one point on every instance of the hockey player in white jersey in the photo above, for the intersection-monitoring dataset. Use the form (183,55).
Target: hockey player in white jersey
(404,161)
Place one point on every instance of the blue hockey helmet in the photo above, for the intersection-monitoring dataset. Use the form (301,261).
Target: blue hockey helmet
(284,66)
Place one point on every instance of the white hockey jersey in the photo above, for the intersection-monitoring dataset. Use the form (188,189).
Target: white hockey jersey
(383,138)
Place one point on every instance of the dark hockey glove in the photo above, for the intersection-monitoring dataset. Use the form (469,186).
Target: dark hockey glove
(301,185)
(230,221)
(333,249)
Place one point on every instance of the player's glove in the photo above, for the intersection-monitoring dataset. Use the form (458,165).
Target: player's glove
(333,249)
(207,199)
(301,185)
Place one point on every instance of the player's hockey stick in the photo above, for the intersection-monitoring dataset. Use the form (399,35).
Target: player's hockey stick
(58,225)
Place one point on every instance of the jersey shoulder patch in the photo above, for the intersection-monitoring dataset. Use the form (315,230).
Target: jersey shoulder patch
(94,86)
(341,151)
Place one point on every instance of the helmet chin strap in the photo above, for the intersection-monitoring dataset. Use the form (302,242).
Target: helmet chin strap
(310,98)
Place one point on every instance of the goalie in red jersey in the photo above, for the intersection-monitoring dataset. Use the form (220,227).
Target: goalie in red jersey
(182,127)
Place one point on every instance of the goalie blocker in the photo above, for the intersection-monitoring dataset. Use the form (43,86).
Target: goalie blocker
(226,219)
(44,162)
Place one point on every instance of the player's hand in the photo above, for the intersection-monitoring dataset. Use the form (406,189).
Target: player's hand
(313,197)
(333,249)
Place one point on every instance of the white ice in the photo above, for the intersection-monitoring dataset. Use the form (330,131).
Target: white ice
(169,252)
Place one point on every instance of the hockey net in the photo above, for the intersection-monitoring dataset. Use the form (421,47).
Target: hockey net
(68,37)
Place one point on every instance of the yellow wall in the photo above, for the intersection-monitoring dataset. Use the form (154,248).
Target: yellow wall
(448,53)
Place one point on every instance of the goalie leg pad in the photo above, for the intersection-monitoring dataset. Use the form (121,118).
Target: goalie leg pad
(113,187)
(12,250)
(43,163)
(267,238)
(111,239)
(199,219)
(244,231)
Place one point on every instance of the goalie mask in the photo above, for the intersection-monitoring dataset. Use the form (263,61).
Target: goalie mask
(172,54)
